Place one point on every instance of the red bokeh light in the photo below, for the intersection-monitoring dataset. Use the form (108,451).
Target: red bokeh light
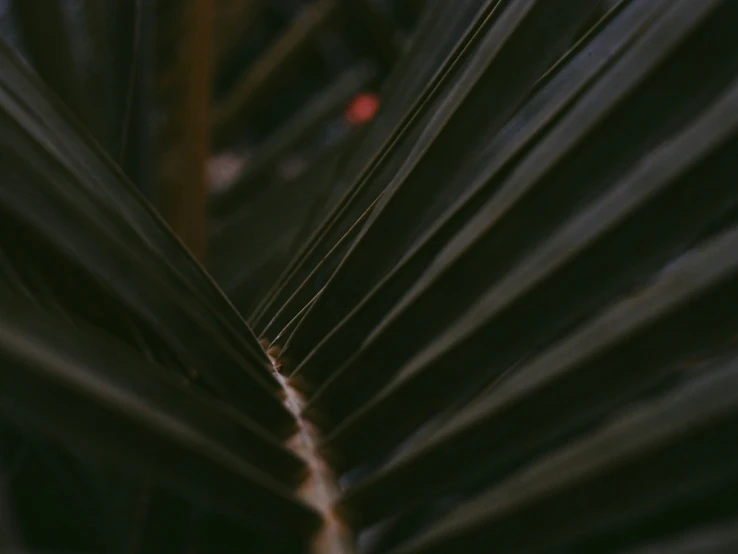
(362,108)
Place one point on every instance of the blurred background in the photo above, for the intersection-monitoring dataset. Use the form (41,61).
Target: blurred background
(212,107)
